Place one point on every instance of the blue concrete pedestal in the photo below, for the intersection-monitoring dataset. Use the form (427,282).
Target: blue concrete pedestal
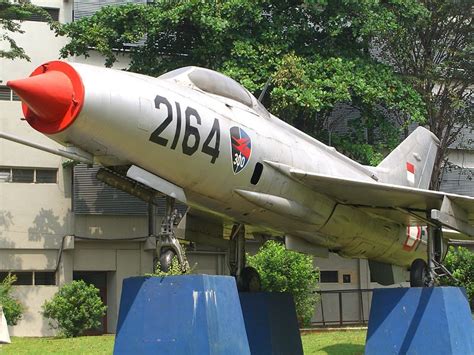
(187,314)
(271,323)
(420,321)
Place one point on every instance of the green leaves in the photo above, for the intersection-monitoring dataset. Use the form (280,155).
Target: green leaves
(460,262)
(12,308)
(11,16)
(319,54)
(282,270)
(76,307)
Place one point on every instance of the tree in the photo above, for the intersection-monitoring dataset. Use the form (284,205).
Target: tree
(75,308)
(282,270)
(12,308)
(460,262)
(432,45)
(306,91)
(11,16)
(316,54)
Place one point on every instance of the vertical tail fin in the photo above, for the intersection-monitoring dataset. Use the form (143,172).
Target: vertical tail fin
(411,163)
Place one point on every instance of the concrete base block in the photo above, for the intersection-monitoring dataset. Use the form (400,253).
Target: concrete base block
(420,321)
(271,323)
(187,314)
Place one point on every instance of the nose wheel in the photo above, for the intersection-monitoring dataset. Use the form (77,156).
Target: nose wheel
(166,259)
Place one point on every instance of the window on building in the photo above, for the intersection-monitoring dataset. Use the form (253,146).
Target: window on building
(22,277)
(86,8)
(346,278)
(46,176)
(45,278)
(329,276)
(25,278)
(5,174)
(23,175)
(5,93)
(53,12)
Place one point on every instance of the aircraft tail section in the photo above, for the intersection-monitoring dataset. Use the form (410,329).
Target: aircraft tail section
(411,163)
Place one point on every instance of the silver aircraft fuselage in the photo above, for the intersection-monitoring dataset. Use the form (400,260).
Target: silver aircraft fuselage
(205,134)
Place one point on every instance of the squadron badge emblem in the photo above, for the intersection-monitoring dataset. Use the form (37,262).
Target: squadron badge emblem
(241,149)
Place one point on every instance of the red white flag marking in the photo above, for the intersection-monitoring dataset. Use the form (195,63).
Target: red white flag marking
(411,174)
(413,238)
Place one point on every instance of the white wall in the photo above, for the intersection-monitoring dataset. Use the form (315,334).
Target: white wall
(32,322)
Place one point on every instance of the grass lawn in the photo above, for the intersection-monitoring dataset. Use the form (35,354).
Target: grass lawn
(343,342)
(81,345)
(334,342)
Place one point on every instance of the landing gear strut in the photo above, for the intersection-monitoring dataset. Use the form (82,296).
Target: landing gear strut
(424,274)
(167,245)
(248,279)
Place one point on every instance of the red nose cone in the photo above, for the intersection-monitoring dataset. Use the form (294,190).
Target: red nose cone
(52,96)
(48,95)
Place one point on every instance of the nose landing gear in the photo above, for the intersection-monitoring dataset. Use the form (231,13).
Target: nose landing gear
(167,245)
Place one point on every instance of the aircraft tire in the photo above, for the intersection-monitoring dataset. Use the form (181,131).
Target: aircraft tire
(419,275)
(249,280)
(166,258)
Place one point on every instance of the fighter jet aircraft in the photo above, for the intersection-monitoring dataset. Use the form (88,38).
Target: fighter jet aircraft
(201,138)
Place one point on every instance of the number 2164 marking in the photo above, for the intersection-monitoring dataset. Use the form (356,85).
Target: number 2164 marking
(189,130)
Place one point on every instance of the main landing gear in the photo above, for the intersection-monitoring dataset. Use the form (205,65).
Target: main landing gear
(248,279)
(424,274)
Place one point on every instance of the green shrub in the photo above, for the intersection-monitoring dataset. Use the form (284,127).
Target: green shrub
(283,270)
(12,308)
(75,308)
(460,262)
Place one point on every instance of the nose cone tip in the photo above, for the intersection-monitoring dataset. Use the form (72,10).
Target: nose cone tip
(48,95)
(52,96)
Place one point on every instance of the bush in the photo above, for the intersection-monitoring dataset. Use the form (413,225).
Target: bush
(282,270)
(75,308)
(12,308)
(460,262)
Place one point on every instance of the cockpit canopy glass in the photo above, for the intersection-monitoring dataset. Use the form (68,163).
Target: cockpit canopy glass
(213,83)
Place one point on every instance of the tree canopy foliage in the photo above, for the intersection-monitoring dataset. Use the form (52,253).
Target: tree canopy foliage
(11,16)
(460,262)
(433,47)
(322,44)
(317,54)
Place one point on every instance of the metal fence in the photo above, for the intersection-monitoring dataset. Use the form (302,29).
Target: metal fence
(342,307)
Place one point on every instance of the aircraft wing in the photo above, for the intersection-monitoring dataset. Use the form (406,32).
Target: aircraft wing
(396,202)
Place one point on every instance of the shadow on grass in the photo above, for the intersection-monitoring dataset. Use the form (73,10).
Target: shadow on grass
(338,349)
